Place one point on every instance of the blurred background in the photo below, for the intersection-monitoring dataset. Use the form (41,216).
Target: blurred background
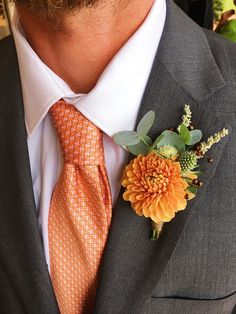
(216,15)
(6,11)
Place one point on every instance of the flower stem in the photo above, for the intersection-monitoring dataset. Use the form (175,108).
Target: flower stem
(156,230)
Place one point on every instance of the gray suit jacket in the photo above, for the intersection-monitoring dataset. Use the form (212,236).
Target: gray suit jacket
(191,269)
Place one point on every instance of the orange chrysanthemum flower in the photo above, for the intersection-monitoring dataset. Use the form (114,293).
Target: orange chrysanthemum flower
(154,187)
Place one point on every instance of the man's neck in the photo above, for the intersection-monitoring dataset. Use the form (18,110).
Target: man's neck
(80,49)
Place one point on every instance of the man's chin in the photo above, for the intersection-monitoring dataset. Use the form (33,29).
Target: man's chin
(55,9)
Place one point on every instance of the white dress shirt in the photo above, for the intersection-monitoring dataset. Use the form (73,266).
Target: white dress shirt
(112,105)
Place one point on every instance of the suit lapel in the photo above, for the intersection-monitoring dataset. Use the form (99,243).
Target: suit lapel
(132,264)
(21,251)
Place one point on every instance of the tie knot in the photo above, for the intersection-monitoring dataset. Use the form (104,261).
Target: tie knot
(81,141)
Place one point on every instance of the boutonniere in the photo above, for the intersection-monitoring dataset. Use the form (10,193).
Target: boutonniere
(164,174)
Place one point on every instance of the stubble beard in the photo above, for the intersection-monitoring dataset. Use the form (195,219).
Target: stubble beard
(56,9)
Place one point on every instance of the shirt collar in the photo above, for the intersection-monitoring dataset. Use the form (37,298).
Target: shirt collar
(114,102)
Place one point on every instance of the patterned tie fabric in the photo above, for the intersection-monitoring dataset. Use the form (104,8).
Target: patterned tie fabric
(80,211)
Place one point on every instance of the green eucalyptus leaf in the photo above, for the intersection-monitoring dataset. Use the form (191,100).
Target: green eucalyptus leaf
(172,139)
(138,149)
(157,140)
(184,133)
(146,139)
(146,123)
(126,138)
(195,137)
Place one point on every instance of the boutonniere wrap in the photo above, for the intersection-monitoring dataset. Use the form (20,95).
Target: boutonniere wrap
(165,173)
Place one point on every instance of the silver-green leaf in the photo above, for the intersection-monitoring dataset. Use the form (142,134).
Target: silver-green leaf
(126,138)
(146,139)
(139,149)
(146,123)
(172,139)
(157,140)
(195,137)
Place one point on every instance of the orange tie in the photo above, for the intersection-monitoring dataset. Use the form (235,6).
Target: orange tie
(80,211)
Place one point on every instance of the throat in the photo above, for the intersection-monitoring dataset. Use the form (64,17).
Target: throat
(79,50)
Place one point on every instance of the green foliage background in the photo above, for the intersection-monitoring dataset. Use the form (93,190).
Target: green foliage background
(228,4)
(218,9)
(221,6)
